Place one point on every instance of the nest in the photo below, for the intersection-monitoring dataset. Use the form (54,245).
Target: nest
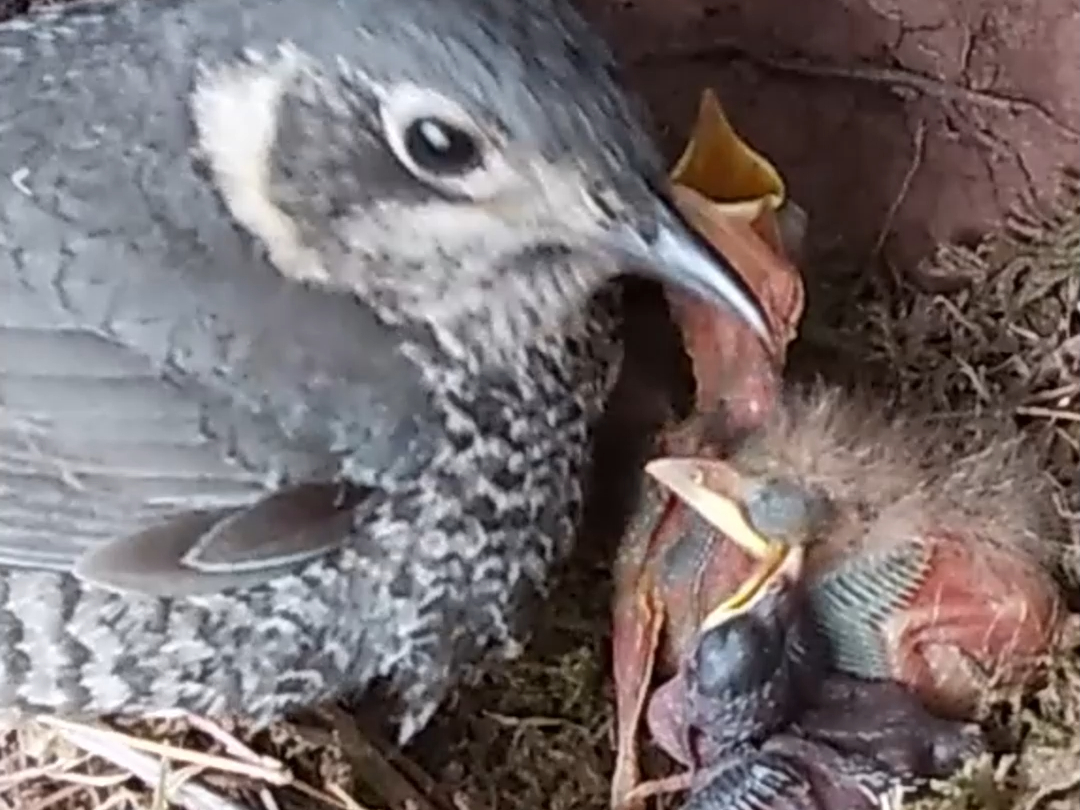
(156,763)
(995,355)
(993,349)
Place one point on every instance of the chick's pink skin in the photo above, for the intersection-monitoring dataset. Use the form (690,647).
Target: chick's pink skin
(981,618)
(979,609)
(978,605)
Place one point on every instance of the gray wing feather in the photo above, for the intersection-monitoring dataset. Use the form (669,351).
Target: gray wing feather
(290,526)
(160,382)
(93,442)
(232,548)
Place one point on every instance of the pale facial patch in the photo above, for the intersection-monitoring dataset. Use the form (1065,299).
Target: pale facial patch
(453,264)
(235,110)
(464,244)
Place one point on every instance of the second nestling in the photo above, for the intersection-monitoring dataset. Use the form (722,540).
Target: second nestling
(866,584)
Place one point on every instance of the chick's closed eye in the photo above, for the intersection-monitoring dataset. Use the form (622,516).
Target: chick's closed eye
(735,656)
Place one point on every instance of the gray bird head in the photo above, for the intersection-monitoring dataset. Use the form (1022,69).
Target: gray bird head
(470,164)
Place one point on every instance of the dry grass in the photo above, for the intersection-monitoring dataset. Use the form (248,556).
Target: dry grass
(539,732)
(997,353)
(154,764)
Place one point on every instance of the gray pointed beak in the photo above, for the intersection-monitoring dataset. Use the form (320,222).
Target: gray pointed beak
(674,253)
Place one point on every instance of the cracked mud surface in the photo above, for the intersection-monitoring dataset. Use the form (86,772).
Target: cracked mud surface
(981,97)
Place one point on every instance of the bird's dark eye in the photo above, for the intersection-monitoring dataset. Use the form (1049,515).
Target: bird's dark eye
(440,148)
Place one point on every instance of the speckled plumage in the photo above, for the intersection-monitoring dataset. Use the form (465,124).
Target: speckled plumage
(190,324)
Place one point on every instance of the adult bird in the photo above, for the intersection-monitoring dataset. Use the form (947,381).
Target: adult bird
(306,314)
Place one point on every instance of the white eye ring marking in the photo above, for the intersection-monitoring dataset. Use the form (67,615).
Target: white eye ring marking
(409,112)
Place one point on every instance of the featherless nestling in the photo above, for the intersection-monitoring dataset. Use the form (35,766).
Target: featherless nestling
(932,568)
(837,576)
(759,720)
(757,709)
(306,313)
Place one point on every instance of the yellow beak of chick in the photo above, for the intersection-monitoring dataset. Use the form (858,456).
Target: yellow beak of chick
(712,495)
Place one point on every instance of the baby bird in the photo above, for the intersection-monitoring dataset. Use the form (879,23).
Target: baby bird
(922,567)
(755,712)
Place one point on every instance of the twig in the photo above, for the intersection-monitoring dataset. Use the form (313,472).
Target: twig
(279,775)
(61,772)
(347,801)
(268,800)
(871,74)
(1063,434)
(104,744)
(159,800)
(509,721)
(121,796)
(55,798)
(1052,791)
(655,787)
(379,772)
(918,148)
(227,741)
(1048,413)
(173,781)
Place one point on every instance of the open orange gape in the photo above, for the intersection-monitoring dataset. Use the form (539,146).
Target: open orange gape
(924,575)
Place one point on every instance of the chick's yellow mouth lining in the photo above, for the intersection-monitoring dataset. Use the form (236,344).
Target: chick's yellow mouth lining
(762,575)
(728,516)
